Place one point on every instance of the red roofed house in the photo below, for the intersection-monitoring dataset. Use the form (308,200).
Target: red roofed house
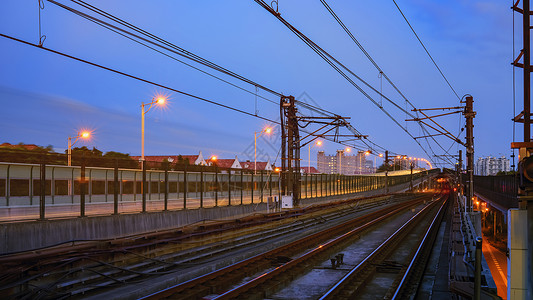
(224,163)
(261,166)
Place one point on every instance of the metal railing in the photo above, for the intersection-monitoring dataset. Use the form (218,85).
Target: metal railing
(39,191)
(501,189)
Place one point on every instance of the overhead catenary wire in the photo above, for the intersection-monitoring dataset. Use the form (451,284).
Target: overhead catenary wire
(425,49)
(337,65)
(137,78)
(157,41)
(382,74)
(153,83)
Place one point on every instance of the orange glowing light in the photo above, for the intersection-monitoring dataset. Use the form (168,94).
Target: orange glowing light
(381,155)
(276,170)
(367,153)
(318,143)
(348,150)
(214,158)
(268,130)
(85,134)
(161,100)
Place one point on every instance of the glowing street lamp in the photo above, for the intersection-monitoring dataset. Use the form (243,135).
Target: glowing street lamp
(81,134)
(317,143)
(159,100)
(267,130)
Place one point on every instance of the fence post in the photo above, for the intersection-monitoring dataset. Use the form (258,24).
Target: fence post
(201,188)
(242,189)
(261,186)
(185,188)
(115,188)
(216,186)
(166,187)
(229,187)
(144,186)
(82,188)
(42,192)
(252,182)
(270,182)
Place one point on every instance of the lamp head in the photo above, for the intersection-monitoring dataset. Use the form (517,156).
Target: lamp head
(160,100)
(85,134)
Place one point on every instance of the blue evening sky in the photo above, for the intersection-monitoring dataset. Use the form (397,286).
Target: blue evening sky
(46,98)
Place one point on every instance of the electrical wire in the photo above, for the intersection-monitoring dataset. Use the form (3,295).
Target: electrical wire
(168,47)
(336,65)
(138,78)
(156,84)
(421,43)
(381,73)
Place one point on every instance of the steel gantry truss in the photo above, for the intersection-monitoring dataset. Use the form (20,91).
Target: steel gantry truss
(469,114)
(292,123)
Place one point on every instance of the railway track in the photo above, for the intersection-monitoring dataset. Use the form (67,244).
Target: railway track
(270,271)
(365,278)
(84,269)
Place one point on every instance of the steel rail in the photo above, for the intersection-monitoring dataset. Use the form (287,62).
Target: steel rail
(419,260)
(388,244)
(232,274)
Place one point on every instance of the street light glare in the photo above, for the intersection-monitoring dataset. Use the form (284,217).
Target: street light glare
(85,134)
(348,149)
(214,158)
(319,143)
(161,100)
(268,130)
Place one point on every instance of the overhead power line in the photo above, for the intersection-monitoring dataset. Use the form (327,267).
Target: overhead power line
(144,38)
(421,43)
(157,84)
(137,78)
(337,65)
(382,73)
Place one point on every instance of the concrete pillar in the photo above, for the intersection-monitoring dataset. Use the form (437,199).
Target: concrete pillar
(517,274)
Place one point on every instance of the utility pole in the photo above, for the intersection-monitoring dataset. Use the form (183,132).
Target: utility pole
(524,214)
(469,116)
(290,150)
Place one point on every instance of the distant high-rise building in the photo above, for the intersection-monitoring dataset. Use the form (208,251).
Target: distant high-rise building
(489,165)
(340,163)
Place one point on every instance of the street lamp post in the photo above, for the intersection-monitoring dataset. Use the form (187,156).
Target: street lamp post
(81,134)
(318,143)
(267,130)
(156,100)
